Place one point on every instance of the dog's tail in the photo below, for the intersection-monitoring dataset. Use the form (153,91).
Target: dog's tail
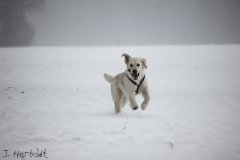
(108,77)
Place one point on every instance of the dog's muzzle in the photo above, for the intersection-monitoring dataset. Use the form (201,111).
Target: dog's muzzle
(135,74)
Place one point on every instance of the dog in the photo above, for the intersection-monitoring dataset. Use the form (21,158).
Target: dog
(126,85)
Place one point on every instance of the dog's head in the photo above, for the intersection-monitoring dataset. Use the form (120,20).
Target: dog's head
(135,66)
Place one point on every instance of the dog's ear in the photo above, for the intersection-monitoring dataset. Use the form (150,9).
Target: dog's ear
(144,63)
(126,56)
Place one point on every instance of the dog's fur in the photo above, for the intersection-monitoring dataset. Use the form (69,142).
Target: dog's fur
(123,87)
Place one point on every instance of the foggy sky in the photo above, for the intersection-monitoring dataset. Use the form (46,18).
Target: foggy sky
(135,22)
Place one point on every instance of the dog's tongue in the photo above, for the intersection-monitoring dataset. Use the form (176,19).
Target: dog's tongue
(135,76)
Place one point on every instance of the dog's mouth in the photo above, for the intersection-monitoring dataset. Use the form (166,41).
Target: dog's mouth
(135,76)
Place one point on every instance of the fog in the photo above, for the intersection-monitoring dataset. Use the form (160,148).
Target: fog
(114,22)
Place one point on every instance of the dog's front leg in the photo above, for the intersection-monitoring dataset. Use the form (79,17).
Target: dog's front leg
(146,98)
(131,97)
(133,102)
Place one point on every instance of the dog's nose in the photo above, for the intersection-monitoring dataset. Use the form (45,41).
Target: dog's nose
(134,71)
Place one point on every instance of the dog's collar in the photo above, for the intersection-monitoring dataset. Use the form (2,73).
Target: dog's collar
(138,85)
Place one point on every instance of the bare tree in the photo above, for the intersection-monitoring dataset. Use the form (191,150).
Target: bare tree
(14,28)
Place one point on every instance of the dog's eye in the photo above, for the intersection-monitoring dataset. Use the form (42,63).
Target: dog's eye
(138,64)
(131,65)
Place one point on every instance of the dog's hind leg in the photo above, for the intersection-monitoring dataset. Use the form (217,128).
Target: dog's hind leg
(116,95)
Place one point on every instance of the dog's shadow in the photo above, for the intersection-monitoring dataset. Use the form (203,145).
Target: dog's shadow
(126,114)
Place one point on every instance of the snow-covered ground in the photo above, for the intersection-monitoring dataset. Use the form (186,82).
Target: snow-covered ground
(56,98)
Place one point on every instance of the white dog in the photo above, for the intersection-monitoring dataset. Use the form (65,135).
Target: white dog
(126,85)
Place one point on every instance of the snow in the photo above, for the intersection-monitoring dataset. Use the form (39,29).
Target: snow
(56,98)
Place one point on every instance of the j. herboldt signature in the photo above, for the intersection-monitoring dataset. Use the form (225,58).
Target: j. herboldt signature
(19,154)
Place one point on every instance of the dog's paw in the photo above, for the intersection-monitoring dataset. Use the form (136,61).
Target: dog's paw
(135,107)
(117,110)
(144,106)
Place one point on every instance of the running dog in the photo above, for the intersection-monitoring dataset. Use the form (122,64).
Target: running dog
(126,85)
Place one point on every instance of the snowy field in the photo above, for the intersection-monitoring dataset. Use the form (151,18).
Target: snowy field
(57,98)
